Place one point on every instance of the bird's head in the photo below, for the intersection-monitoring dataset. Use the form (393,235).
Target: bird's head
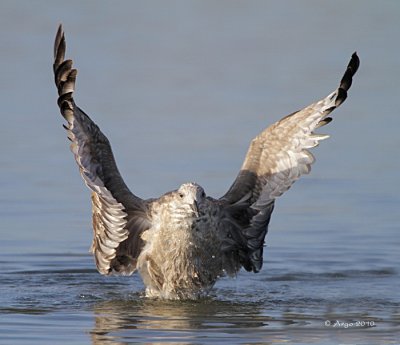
(191,195)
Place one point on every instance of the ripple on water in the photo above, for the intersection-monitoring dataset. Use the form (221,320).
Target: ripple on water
(270,306)
(344,274)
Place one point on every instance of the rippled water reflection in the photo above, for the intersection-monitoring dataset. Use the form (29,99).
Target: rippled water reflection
(180,89)
(74,302)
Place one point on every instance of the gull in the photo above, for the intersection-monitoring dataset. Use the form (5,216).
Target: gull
(183,241)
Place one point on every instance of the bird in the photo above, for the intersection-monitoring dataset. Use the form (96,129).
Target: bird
(182,242)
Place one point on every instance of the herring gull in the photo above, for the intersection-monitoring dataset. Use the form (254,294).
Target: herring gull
(183,241)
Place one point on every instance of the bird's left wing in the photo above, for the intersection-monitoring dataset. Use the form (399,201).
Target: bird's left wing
(119,216)
(276,158)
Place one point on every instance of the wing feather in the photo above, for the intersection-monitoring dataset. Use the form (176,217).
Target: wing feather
(119,217)
(276,158)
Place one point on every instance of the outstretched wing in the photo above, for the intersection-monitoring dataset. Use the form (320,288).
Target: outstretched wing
(119,217)
(276,158)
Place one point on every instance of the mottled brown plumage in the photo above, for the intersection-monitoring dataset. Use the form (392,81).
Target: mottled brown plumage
(183,241)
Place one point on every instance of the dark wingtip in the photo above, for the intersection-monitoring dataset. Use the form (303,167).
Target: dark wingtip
(324,122)
(59,44)
(351,70)
(355,60)
(64,74)
(347,78)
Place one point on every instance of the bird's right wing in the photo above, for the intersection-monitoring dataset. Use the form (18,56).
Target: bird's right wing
(119,217)
(276,158)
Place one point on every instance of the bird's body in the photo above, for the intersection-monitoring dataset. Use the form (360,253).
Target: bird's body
(181,256)
(183,241)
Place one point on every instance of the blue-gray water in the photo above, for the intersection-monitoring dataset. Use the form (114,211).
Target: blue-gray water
(180,88)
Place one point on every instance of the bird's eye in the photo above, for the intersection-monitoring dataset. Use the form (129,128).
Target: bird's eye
(203,194)
(181,195)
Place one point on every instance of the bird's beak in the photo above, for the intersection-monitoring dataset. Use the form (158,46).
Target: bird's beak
(195,208)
